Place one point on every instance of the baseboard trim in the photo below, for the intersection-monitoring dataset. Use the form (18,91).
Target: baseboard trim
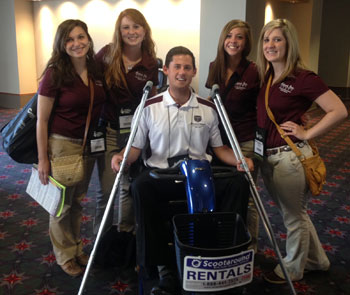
(14,101)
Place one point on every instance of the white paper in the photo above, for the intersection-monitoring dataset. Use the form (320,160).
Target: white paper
(50,196)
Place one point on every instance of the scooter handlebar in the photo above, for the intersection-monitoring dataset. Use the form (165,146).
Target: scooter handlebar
(167,174)
(175,173)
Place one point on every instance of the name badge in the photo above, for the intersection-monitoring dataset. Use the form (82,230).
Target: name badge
(259,142)
(98,142)
(97,145)
(125,121)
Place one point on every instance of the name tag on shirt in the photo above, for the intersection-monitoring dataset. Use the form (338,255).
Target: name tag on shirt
(98,141)
(97,145)
(259,141)
(125,121)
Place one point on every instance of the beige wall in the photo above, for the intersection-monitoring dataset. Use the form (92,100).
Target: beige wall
(173,23)
(195,24)
(17,53)
(323,28)
(25,47)
(324,34)
(300,14)
(255,17)
(9,82)
(214,16)
(316,22)
(305,16)
(334,63)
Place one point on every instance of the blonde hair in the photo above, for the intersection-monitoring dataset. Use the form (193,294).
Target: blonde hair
(217,72)
(114,74)
(293,58)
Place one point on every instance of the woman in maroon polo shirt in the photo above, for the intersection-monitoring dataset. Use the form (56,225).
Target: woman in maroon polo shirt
(128,63)
(64,99)
(293,90)
(238,81)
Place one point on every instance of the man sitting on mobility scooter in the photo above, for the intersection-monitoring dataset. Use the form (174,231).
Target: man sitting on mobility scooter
(176,125)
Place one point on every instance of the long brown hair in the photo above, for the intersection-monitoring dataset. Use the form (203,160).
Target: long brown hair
(114,73)
(293,58)
(217,73)
(63,71)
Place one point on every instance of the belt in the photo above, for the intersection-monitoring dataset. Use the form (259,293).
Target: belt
(284,148)
(73,140)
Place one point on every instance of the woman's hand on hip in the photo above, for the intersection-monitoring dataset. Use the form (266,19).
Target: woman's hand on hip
(291,128)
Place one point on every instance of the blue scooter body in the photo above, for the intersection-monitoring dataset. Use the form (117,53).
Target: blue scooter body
(199,186)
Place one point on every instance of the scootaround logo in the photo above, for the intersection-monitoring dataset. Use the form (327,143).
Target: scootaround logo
(220,262)
(196,263)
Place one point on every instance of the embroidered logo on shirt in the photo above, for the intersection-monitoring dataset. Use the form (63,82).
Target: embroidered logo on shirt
(241,85)
(197,118)
(140,76)
(286,88)
(98,83)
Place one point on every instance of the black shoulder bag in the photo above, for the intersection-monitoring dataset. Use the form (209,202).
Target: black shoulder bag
(19,134)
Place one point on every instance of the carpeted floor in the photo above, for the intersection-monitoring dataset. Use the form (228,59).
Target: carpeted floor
(28,266)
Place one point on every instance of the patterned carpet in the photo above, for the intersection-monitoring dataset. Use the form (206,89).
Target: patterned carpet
(28,266)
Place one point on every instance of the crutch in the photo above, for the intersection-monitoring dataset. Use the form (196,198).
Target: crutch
(146,91)
(256,197)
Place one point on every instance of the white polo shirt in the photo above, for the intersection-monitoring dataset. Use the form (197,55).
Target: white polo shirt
(173,131)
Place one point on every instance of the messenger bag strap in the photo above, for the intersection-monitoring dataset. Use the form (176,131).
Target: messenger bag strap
(279,129)
(88,118)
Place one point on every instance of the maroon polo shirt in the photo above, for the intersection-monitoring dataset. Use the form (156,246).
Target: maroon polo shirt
(239,99)
(136,78)
(288,101)
(72,105)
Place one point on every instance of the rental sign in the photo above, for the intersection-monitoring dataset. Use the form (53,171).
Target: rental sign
(210,274)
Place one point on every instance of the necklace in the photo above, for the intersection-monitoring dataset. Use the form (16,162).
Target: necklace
(129,65)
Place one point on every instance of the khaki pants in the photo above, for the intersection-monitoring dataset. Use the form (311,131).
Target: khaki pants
(285,181)
(65,230)
(126,219)
(247,149)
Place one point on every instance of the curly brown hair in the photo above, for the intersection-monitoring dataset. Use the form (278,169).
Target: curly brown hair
(63,71)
